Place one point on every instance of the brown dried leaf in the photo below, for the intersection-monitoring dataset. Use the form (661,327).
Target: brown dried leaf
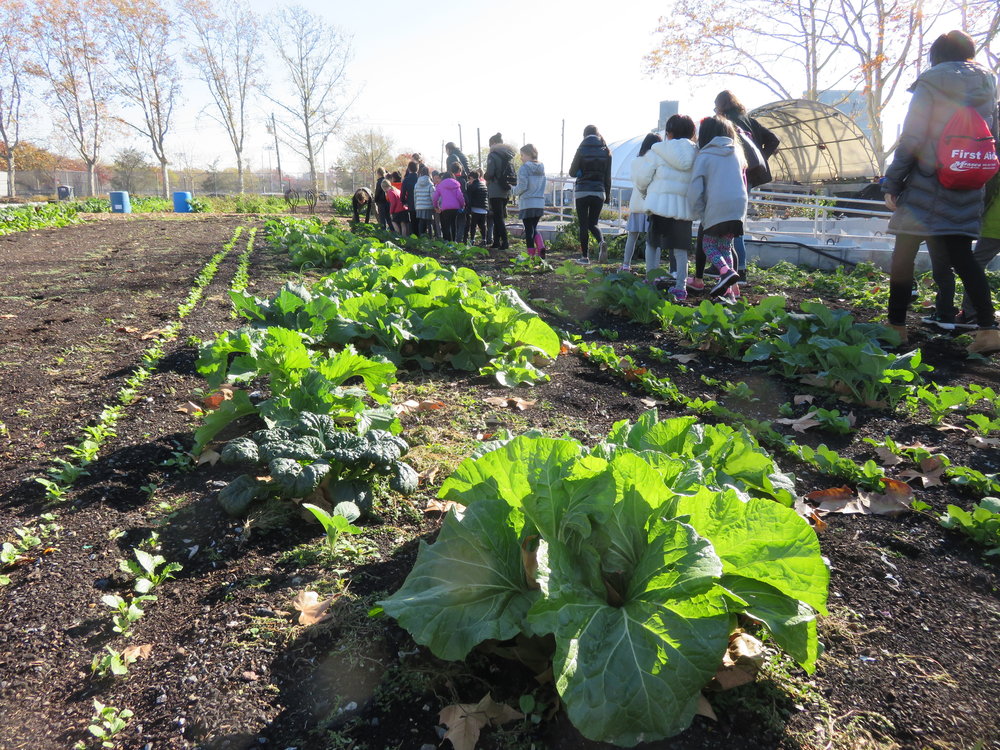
(7,316)
(705,709)
(190,408)
(127,329)
(801,424)
(509,402)
(648,403)
(465,721)
(931,470)
(946,427)
(152,333)
(977,441)
(208,456)
(805,398)
(215,400)
(131,653)
(311,609)
(529,558)
(412,405)
(893,502)
(886,457)
(437,506)
(684,358)
(808,513)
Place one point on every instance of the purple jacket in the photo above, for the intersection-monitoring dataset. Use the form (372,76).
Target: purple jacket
(448,195)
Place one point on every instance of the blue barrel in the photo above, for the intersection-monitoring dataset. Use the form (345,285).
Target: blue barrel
(120,203)
(182,203)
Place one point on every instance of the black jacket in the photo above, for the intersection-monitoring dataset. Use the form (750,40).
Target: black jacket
(477,195)
(766,141)
(459,157)
(592,167)
(406,189)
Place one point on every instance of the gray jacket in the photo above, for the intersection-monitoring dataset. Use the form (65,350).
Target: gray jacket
(924,207)
(717,192)
(499,153)
(530,187)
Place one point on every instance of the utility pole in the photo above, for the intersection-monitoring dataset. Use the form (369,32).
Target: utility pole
(460,147)
(479,152)
(562,148)
(442,154)
(277,154)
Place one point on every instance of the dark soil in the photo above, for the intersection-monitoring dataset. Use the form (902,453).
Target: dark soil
(914,608)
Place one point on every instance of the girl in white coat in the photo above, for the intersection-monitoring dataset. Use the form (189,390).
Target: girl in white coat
(638,219)
(664,178)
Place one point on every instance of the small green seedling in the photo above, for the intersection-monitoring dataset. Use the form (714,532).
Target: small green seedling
(127,612)
(337,523)
(106,723)
(147,571)
(114,662)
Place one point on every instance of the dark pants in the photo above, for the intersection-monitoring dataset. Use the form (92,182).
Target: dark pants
(477,220)
(449,223)
(382,209)
(425,227)
(950,251)
(498,207)
(358,207)
(462,227)
(530,227)
(588,212)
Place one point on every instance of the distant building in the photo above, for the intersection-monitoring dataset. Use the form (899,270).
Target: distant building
(668,109)
(852,104)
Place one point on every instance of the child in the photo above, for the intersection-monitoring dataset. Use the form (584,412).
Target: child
(478,205)
(397,209)
(718,198)
(530,194)
(638,219)
(423,202)
(448,201)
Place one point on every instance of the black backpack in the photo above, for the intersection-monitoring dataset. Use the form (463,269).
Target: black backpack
(507,177)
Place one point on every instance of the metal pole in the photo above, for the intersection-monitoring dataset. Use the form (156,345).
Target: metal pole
(479,152)
(562,148)
(277,153)
(442,154)
(460,147)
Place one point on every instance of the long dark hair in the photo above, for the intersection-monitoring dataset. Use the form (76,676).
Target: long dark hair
(727,102)
(713,127)
(648,141)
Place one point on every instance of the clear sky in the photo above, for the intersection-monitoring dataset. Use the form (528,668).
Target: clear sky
(519,67)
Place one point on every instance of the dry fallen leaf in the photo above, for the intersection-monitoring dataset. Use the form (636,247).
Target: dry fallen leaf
(931,470)
(208,456)
(705,709)
(801,424)
(886,457)
(465,721)
(152,334)
(809,513)
(511,402)
(438,506)
(412,405)
(311,609)
(945,427)
(835,500)
(803,399)
(190,408)
(127,329)
(648,402)
(7,316)
(684,358)
(977,441)
(131,653)
(741,662)
(215,400)
(566,347)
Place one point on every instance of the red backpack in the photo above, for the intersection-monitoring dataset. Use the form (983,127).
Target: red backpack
(966,152)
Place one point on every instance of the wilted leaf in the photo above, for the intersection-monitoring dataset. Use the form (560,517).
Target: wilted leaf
(127,329)
(946,427)
(412,405)
(509,402)
(648,403)
(809,513)
(801,424)
(886,457)
(566,347)
(437,506)
(705,709)
(835,500)
(208,456)
(684,358)
(465,721)
(529,556)
(741,662)
(131,653)
(215,400)
(190,408)
(977,441)
(311,609)
(893,502)
(931,470)
(803,399)
(152,334)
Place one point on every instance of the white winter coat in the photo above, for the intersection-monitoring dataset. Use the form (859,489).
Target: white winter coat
(637,203)
(663,176)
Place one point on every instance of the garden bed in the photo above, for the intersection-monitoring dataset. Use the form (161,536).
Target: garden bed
(914,607)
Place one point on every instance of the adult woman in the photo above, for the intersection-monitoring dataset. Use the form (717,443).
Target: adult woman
(923,209)
(499,170)
(727,105)
(530,194)
(638,220)
(664,177)
(591,167)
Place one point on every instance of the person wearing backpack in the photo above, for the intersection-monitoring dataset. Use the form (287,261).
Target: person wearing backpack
(947,219)
(530,193)
(753,136)
(591,167)
(500,178)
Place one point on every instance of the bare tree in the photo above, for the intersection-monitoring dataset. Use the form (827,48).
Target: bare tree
(69,57)
(130,167)
(13,75)
(366,150)
(226,52)
(315,57)
(981,19)
(140,35)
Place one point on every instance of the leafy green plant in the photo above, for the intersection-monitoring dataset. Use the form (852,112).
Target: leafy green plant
(630,555)
(106,724)
(113,662)
(148,570)
(982,524)
(126,611)
(27,538)
(940,400)
(336,524)
(832,420)
(983,424)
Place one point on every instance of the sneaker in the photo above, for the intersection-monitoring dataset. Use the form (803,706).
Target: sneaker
(602,252)
(937,320)
(726,280)
(678,296)
(723,300)
(694,284)
(582,260)
(626,268)
(743,277)
(965,322)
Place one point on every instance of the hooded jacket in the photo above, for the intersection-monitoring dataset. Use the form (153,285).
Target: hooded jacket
(530,187)
(499,154)
(448,195)
(663,176)
(423,194)
(477,194)
(457,157)
(717,192)
(591,167)
(924,207)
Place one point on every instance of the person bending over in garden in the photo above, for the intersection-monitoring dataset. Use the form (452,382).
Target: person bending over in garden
(530,194)
(478,205)
(448,201)
(397,209)
(500,177)
(665,177)
(717,197)
(591,168)
(638,219)
(362,200)
(923,209)
(423,202)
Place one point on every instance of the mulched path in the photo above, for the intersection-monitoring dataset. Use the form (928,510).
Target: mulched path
(914,608)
